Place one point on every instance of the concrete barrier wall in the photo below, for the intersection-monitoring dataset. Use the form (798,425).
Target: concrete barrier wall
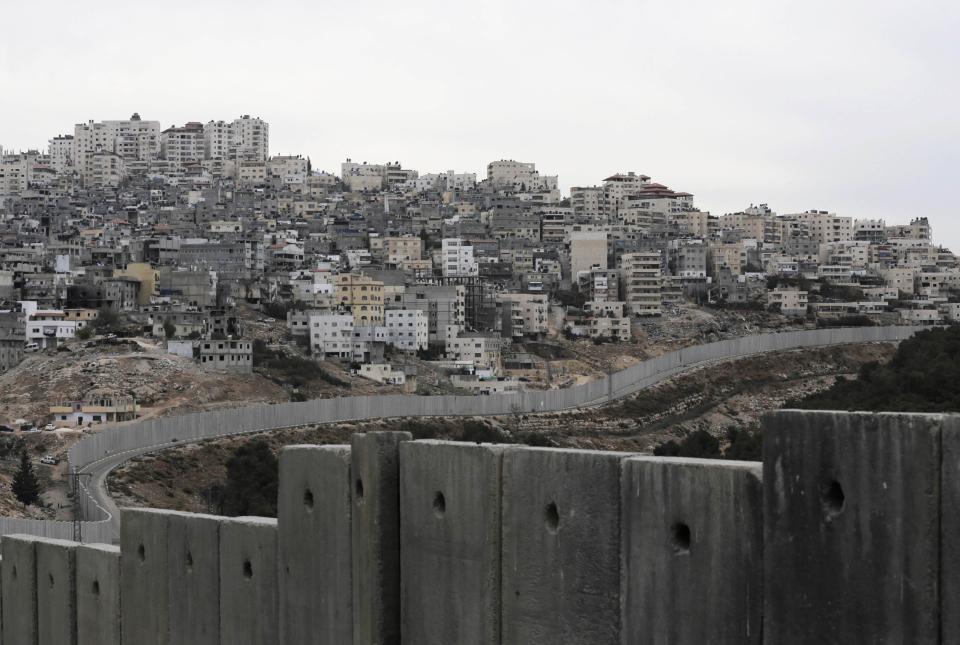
(844,534)
(168,431)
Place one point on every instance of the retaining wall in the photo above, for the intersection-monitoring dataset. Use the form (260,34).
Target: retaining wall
(842,535)
(167,431)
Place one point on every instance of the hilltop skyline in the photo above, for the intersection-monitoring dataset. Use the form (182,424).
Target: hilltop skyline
(740,104)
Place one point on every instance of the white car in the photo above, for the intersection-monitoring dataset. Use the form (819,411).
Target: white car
(49,427)
(50,461)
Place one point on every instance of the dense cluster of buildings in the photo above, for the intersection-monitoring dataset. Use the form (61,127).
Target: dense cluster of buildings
(174,228)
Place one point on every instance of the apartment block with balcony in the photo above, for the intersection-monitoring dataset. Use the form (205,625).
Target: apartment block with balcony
(641,283)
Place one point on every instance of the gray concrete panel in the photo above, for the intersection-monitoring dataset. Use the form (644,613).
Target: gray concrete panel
(852,528)
(692,552)
(193,557)
(450,542)
(950,530)
(98,595)
(561,546)
(375,519)
(314,507)
(248,581)
(144,577)
(56,592)
(19,589)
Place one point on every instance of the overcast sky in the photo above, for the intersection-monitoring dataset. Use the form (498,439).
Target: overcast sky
(848,106)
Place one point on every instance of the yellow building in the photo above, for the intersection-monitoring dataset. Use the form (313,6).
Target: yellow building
(146,275)
(362,295)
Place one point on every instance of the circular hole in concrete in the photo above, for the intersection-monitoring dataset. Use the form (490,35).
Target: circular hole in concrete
(439,504)
(96,587)
(188,560)
(551,517)
(247,569)
(833,499)
(142,553)
(50,578)
(681,538)
(308,499)
(358,488)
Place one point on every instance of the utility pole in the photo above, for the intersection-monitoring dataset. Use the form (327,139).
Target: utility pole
(75,484)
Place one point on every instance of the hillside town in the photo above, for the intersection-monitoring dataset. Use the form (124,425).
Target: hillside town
(199,240)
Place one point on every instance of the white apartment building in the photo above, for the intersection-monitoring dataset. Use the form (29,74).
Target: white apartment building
(362,177)
(104,170)
(407,329)
(474,348)
(184,145)
(331,335)
(245,138)
(289,169)
(519,176)
(641,283)
(61,151)
(824,227)
(457,258)
(51,331)
(134,139)
(20,171)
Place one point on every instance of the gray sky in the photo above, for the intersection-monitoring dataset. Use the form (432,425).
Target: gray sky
(850,106)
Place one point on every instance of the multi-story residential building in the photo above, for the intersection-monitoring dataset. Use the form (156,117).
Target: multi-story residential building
(12,339)
(183,146)
(103,169)
(246,139)
(457,258)
(331,335)
(523,314)
(291,170)
(61,151)
(641,282)
(687,258)
(363,177)
(226,355)
(917,229)
(588,251)
(870,230)
(825,227)
(519,176)
(444,305)
(475,348)
(399,250)
(362,295)
(251,138)
(407,329)
(791,301)
(732,257)
(136,141)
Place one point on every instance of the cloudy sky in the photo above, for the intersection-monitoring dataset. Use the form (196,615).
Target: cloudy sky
(847,106)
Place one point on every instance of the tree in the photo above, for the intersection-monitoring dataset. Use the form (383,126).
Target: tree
(26,486)
(84,333)
(700,444)
(252,480)
(169,329)
(107,319)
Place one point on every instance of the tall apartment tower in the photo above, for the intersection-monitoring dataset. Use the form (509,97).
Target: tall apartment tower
(135,141)
(243,139)
(641,282)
